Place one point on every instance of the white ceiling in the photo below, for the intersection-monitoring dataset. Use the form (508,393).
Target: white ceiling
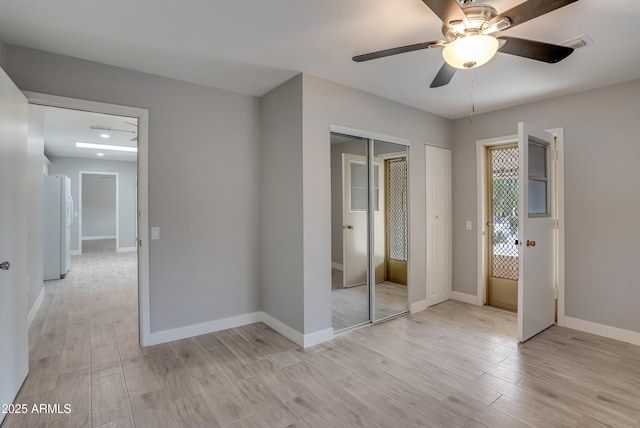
(251,46)
(64,127)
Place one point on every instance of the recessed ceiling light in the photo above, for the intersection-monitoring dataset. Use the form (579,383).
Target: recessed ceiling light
(106,147)
(104,135)
(99,154)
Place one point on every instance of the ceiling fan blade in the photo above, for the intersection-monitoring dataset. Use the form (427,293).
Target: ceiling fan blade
(532,49)
(531,9)
(447,10)
(444,76)
(398,50)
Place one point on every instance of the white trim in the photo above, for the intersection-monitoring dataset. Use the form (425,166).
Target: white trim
(203,328)
(143,187)
(464,297)
(337,266)
(126,249)
(368,135)
(559,210)
(481,162)
(295,336)
(288,332)
(616,333)
(317,337)
(36,307)
(74,253)
(418,306)
(80,237)
(96,238)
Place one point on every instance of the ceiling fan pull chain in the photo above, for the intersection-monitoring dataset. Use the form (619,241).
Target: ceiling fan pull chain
(473,102)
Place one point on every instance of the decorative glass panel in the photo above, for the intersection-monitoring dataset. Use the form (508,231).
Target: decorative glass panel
(504,210)
(398,209)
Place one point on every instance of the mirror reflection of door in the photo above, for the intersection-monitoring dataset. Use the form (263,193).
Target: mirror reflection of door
(349,305)
(354,213)
(502,185)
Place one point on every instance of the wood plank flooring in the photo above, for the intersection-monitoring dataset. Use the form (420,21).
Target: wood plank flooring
(453,365)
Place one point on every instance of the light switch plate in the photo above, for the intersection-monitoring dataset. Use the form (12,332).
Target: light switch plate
(155,233)
(469,225)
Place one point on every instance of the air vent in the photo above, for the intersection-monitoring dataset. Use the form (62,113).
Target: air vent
(578,42)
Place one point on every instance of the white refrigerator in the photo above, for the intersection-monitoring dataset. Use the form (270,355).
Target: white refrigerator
(58,217)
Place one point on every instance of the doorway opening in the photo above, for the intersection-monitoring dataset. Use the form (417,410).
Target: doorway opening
(369,230)
(98,212)
(111,144)
(534,238)
(502,225)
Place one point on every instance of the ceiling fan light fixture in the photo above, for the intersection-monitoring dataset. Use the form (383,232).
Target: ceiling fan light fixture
(470,51)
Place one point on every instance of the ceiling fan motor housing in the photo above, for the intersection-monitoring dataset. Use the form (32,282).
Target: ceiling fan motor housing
(479,17)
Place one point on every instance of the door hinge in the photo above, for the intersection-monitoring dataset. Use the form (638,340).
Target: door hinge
(555,292)
(140,242)
(555,224)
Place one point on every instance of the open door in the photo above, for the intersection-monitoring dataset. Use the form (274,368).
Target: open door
(536,282)
(14,357)
(354,209)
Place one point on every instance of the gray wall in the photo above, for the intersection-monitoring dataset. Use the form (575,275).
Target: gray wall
(99,205)
(35,195)
(127,171)
(602,200)
(326,103)
(202,143)
(281,204)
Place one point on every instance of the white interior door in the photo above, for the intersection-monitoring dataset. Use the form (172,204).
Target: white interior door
(536,283)
(354,216)
(14,358)
(438,236)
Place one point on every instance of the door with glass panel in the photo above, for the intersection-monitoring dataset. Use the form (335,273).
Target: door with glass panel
(537,232)
(503,195)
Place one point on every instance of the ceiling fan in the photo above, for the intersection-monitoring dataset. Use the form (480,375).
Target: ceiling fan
(104,128)
(469,28)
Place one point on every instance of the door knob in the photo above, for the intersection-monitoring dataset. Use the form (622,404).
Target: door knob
(348,226)
(5,265)
(531,243)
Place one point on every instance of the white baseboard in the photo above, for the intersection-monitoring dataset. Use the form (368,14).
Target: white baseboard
(464,297)
(36,306)
(337,266)
(126,249)
(203,328)
(288,332)
(616,333)
(317,337)
(237,321)
(418,306)
(75,253)
(95,238)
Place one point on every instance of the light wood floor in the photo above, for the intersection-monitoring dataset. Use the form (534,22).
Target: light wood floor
(350,306)
(454,365)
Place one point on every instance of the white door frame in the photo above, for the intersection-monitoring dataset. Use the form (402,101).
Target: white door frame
(143,188)
(558,213)
(80,174)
